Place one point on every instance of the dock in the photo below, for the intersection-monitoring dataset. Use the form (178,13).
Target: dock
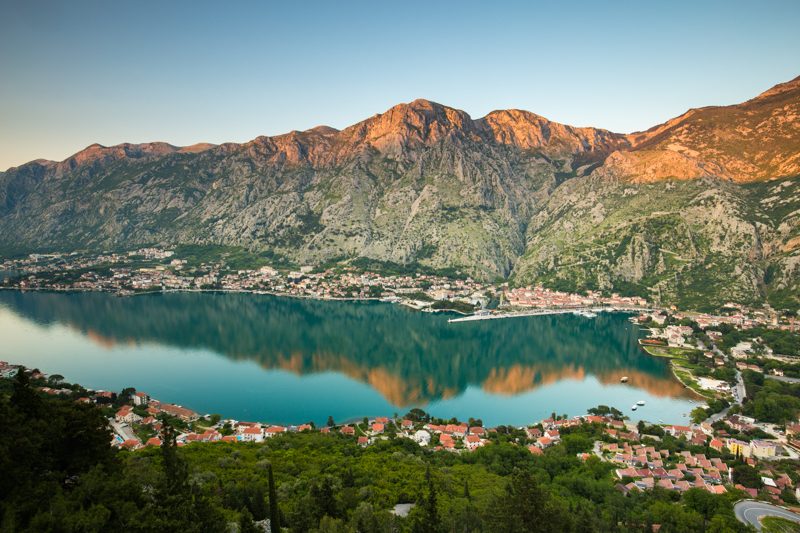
(549,311)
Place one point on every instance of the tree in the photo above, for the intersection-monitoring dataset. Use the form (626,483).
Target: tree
(246,524)
(428,520)
(175,506)
(747,476)
(331,423)
(274,513)
(525,507)
(324,499)
(698,415)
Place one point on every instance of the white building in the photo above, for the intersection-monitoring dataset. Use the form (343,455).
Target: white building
(422,437)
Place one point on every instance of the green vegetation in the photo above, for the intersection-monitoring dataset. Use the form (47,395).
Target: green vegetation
(61,475)
(686,377)
(450,305)
(781,341)
(769,400)
(234,257)
(670,351)
(413,268)
(776,524)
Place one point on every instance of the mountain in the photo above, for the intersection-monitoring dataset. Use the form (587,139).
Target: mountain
(698,211)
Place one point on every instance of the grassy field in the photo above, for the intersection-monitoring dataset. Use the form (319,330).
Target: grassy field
(687,378)
(774,524)
(672,352)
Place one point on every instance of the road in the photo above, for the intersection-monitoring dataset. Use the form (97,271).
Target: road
(782,378)
(749,512)
(123,430)
(739,391)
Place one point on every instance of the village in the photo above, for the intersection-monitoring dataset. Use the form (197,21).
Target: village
(733,452)
(147,270)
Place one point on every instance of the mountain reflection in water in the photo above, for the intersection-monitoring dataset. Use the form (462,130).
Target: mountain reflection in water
(410,358)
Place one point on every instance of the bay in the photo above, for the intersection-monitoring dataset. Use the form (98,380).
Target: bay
(288,361)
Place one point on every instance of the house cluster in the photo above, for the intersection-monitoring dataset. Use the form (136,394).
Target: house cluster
(124,273)
(674,335)
(645,467)
(453,437)
(773,486)
(8,370)
(540,297)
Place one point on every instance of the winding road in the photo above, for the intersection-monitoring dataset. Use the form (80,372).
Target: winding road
(750,512)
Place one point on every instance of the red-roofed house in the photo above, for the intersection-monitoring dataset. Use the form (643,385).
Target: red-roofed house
(473,442)
(274,430)
(252,434)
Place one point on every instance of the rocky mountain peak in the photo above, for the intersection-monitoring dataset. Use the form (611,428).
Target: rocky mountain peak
(409,125)
(530,131)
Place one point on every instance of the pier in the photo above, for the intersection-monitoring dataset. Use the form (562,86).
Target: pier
(548,311)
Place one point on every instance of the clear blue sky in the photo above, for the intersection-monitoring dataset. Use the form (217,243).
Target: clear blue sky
(73,73)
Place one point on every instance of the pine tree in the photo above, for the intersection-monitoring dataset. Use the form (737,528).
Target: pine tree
(430,522)
(274,514)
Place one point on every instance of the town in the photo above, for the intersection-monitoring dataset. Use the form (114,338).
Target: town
(733,452)
(148,270)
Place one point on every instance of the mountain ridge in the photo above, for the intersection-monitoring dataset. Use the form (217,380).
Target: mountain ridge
(511,194)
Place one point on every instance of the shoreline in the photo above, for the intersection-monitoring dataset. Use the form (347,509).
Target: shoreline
(122,294)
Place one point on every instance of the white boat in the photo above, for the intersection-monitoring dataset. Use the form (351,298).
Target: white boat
(623,379)
(633,407)
(640,402)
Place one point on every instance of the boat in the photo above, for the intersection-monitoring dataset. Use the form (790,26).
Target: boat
(623,379)
(640,403)
(633,407)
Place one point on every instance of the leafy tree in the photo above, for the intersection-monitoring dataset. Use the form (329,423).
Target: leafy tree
(747,476)
(525,507)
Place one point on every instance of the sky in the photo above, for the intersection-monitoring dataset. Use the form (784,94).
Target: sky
(79,72)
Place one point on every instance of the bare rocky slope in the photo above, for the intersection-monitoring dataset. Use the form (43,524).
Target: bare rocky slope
(700,210)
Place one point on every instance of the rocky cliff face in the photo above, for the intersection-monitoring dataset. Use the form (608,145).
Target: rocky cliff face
(684,209)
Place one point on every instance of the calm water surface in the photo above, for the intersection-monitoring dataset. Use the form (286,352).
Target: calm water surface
(283,360)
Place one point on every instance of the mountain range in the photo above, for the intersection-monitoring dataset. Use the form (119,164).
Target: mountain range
(699,211)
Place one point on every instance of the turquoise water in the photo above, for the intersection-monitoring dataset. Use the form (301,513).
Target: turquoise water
(284,360)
